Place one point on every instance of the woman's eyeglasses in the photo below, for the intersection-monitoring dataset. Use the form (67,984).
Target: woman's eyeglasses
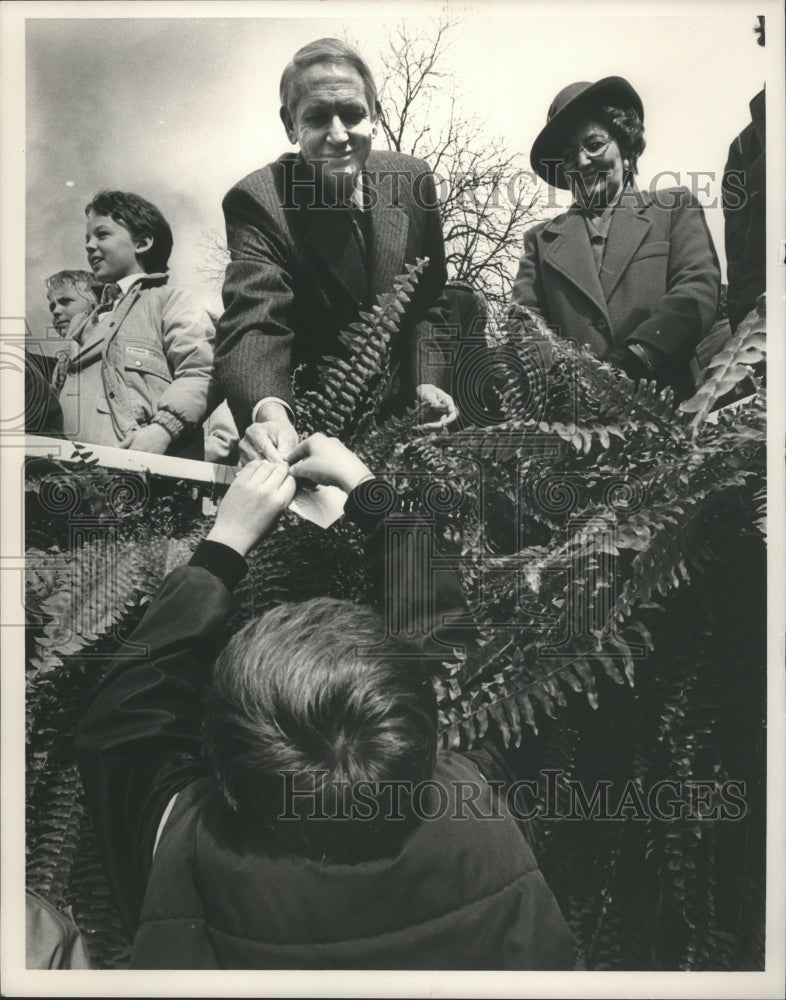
(594,147)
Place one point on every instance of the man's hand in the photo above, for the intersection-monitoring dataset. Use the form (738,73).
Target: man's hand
(154,438)
(252,505)
(439,405)
(272,437)
(326,461)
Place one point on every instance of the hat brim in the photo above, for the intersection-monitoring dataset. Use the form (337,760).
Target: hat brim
(613,90)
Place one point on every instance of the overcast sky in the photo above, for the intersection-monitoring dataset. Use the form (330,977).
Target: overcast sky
(180,109)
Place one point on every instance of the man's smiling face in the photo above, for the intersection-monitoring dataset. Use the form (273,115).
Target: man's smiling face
(330,118)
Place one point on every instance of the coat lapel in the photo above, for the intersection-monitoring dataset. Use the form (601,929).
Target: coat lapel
(570,254)
(389,230)
(629,228)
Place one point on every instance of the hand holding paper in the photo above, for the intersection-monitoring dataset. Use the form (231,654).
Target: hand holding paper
(325,461)
(252,505)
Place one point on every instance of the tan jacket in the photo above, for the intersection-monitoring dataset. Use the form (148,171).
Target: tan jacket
(149,360)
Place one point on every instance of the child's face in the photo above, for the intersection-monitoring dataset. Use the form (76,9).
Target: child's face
(112,251)
(65,303)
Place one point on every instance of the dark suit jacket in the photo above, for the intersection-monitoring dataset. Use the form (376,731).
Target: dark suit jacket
(297,275)
(659,283)
(745,213)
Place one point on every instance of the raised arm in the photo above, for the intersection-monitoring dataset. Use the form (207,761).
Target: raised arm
(139,740)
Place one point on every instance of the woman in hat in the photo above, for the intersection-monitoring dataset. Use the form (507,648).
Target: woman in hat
(631,274)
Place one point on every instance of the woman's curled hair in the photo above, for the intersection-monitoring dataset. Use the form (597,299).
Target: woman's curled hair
(627,128)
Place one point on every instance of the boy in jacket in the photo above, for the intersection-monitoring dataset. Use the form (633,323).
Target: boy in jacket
(283,803)
(140,373)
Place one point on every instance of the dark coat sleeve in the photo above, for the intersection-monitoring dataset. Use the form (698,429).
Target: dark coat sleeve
(684,315)
(744,210)
(254,336)
(431,310)
(139,740)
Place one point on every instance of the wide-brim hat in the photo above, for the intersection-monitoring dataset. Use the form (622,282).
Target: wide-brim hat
(574,100)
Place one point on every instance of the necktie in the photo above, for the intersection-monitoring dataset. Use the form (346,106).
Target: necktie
(357,229)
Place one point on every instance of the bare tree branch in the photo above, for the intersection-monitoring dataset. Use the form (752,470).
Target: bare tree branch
(487,197)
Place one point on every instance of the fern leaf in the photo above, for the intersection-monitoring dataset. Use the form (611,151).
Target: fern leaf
(351,388)
(729,367)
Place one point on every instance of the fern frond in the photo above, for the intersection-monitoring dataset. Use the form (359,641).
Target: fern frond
(351,388)
(746,348)
(760,520)
(591,390)
(668,542)
(99,584)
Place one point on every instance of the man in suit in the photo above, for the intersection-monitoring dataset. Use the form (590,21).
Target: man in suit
(745,210)
(314,237)
(631,274)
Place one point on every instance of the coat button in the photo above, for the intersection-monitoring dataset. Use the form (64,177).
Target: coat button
(138,364)
(602,324)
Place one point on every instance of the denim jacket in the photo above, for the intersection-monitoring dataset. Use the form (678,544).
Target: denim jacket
(156,364)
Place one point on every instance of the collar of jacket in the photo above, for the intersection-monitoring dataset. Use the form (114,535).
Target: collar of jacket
(92,346)
(327,231)
(124,303)
(566,246)
(149,281)
(211,872)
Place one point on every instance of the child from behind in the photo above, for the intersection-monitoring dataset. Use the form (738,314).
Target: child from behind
(284,802)
(140,373)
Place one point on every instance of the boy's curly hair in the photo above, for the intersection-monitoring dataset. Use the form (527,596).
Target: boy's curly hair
(141,218)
